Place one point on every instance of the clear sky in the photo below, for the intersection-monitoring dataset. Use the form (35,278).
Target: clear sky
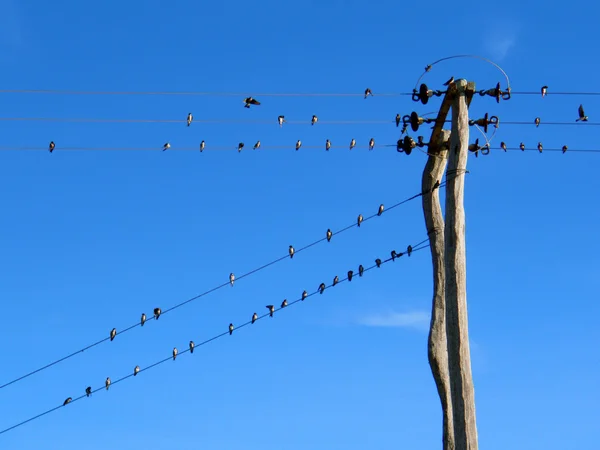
(90,240)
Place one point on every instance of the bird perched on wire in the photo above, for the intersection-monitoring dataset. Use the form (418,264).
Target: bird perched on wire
(368,92)
(136,370)
(298,144)
(359,220)
(304,295)
(371,144)
(284,303)
(336,280)
(143,319)
(88,391)
(378,262)
(350,274)
(113,333)
(522,146)
(352,143)
(166,146)
(291,251)
(394,255)
(281,120)
(240,146)
(361,270)
(380,210)
(582,116)
(271,309)
(67,401)
(327,145)
(202,145)
(174,353)
(539,147)
(250,101)
(231,278)
(189,119)
(544,91)
(157,313)
(449,82)
(254,317)
(256,146)
(192,345)
(564,148)
(397,120)
(230,329)
(503,146)
(409,250)
(107,383)
(329,234)
(51,146)
(314,120)
(321,288)
(537,122)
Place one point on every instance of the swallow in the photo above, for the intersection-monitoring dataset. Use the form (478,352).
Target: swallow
(281,119)
(394,255)
(537,122)
(539,147)
(304,295)
(565,148)
(359,220)
(291,251)
(378,262)
(231,278)
(371,144)
(143,319)
(88,391)
(327,145)
(321,288)
(107,383)
(380,211)
(314,120)
(352,143)
(136,370)
(230,329)
(284,303)
(361,270)
(157,313)
(174,353)
(522,146)
(449,82)
(250,101)
(256,146)
(503,146)
(350,273)
(544,91)
(192,345)
(336,280)
(409,250)
(271,309)
(397,120)
(368,92)
(254,317)
(240,146)
(189,119)
(582,116)
(67,401)
(329,234)
(51,146)
(166,146)
(202,145)
(298,144)
(113,333)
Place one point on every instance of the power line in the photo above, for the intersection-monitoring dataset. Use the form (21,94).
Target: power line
(321,289)
(202,93)
(237,278)
(535,149)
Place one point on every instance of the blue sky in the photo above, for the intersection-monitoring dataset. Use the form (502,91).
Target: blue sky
(91,239)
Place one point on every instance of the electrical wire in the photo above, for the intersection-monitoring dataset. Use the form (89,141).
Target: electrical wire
(220,286)
(568,150)
(416,248)
(201,93)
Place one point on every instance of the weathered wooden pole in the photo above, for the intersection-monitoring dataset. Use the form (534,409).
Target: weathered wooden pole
(457,330)
(437,348)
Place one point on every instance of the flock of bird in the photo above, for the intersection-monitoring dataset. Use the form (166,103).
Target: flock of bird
(291,251)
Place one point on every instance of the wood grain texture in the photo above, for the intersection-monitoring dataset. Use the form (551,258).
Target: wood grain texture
(457,331)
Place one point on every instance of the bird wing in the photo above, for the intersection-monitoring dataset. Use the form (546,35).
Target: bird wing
(581,112)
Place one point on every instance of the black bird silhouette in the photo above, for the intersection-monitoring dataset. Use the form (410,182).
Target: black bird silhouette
(51,146)
(582,116)
(329,234)
(350,273)
(378,262)
(409,250)
(271,309)
(67,401)
(397,120)
(284,303)
(361,270)
(451,80)
(368,92)
(88,391)
(321,288)
(157,313)
(250,101)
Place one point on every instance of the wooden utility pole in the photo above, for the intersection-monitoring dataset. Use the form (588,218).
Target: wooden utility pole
(437,347)
(448,344)
(457,329)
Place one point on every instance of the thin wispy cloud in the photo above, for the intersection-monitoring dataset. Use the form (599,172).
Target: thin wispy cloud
(499,44)
(418,320)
